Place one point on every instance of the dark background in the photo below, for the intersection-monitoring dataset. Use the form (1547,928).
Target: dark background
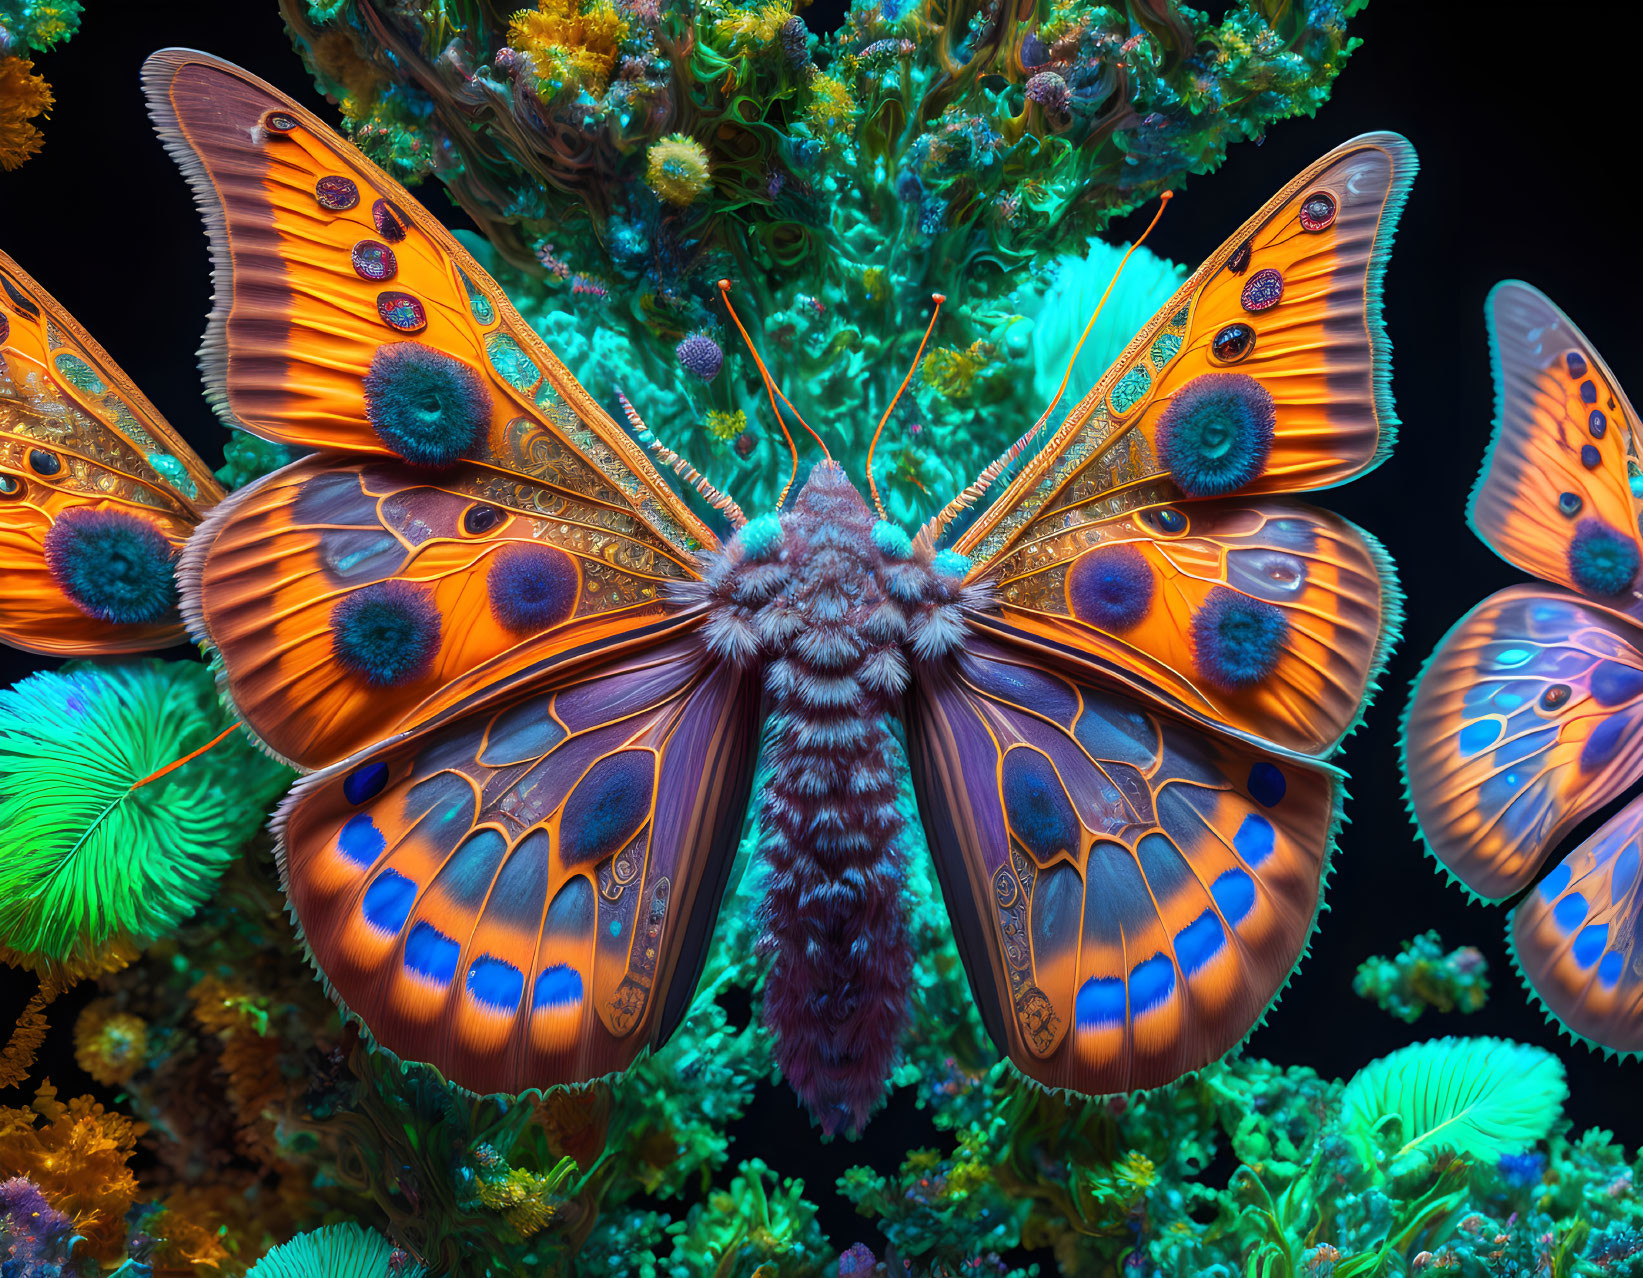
(1526,146)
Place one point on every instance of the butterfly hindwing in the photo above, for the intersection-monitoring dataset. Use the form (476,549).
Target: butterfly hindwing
(520,894)
(1266,372)
(1576,936)
(350,320)
(1557,495)
(353,599)
(1528,717)
(1130,892)
(1269,616)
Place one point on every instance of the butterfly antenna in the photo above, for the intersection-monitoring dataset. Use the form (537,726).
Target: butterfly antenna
(187,758)
(999,464)
(872,486)
(681,467)
(770,388)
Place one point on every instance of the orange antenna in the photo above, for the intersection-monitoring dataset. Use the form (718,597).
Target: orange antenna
(770,388)
(1000,463)
(177,763)
(872,485)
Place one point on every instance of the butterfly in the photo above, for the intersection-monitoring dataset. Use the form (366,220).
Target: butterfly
(529,684)
(1528,717)
(97,492)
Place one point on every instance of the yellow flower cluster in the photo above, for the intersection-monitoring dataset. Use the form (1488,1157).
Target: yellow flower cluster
(23,95)
(831,110)
(677,169)
(572,44)
(726,426)
(759,25)
(109,1044)
(953,372)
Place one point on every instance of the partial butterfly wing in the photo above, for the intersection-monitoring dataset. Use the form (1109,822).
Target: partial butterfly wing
(521,893)
(473,508)
(97,492)
(1143,890)
(1129,892)
(1576,936)
(1559,492)
(1528,718)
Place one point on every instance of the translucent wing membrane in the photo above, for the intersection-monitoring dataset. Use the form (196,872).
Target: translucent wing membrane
(349,319)
(1528,718)
(521,894)
(97,492)
(1130,893)
(1576,936)
(1266,372)
(1558,493)
(1270,617)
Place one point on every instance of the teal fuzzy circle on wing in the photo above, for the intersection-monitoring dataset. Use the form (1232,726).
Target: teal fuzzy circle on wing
(1216,435)
(1602,560)
(115,566)
(425,405)
(1237,641)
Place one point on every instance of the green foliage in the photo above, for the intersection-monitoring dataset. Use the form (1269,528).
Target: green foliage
(88,857)
(1483,1097)
(37,25)
(335,1251)
(1423,976)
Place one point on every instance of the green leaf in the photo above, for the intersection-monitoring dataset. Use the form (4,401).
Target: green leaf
(1483,1097)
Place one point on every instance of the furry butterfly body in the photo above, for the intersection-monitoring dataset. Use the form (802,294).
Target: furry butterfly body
(530,683)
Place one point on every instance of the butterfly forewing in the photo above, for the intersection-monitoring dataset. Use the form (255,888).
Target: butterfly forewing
(89,472)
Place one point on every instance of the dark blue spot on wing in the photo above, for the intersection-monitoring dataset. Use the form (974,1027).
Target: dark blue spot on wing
(1152,981)
(1604,743)
(558,986)
(1266,784)
(360,840)
(608,806)
(365,782)
(1590,944)
(1199,941)
(1614,682)
(1111,587)
(431,954)
(1237,641)
(1588,392)
(495,982)
(1234,894)
(1478,736)
(388,901)
(1100,1001)
(1255,839)
(1570,911)
(1575,363)
(1040,814)
(1597,423)
(1589,456)
(532,587)
(1551,887)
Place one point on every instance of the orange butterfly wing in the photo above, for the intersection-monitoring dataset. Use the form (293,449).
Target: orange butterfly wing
(90,473)
(350,598)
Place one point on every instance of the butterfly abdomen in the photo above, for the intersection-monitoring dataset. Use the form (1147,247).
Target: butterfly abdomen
(830,607)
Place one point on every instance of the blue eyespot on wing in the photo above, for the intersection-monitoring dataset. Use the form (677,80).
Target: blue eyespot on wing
(1528,717)
(1575,936)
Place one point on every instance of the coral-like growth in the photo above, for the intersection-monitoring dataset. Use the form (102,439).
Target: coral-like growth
(1422,976)
(28,26)
(92,852)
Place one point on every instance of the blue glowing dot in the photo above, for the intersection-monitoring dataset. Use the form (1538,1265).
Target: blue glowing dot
(1589,456)
(1267,785)
(557,987)
(1234,893)
(1216,434)
(1199,941)
(1101,1001)
(431,954)
(616,927)
(1588,392)
(1635,483)
(1570,911)
(1610,969)
(1479,735)
(1111,587)
(1590,944)
(112,565)
(1551,887)
(365,782)
(388,901)
(1151,982)
(428,407)
(1237,641)
(1507,700)
(1597,423)
(1570,504)
(495,983)
(532,586)
(1575,363)
(892,540)
(761,538)
(1602,560)
(1506,658)
(360,841)
(387,633)
(1255,839)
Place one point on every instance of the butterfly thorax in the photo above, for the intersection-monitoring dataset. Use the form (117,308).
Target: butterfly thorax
(835,606)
